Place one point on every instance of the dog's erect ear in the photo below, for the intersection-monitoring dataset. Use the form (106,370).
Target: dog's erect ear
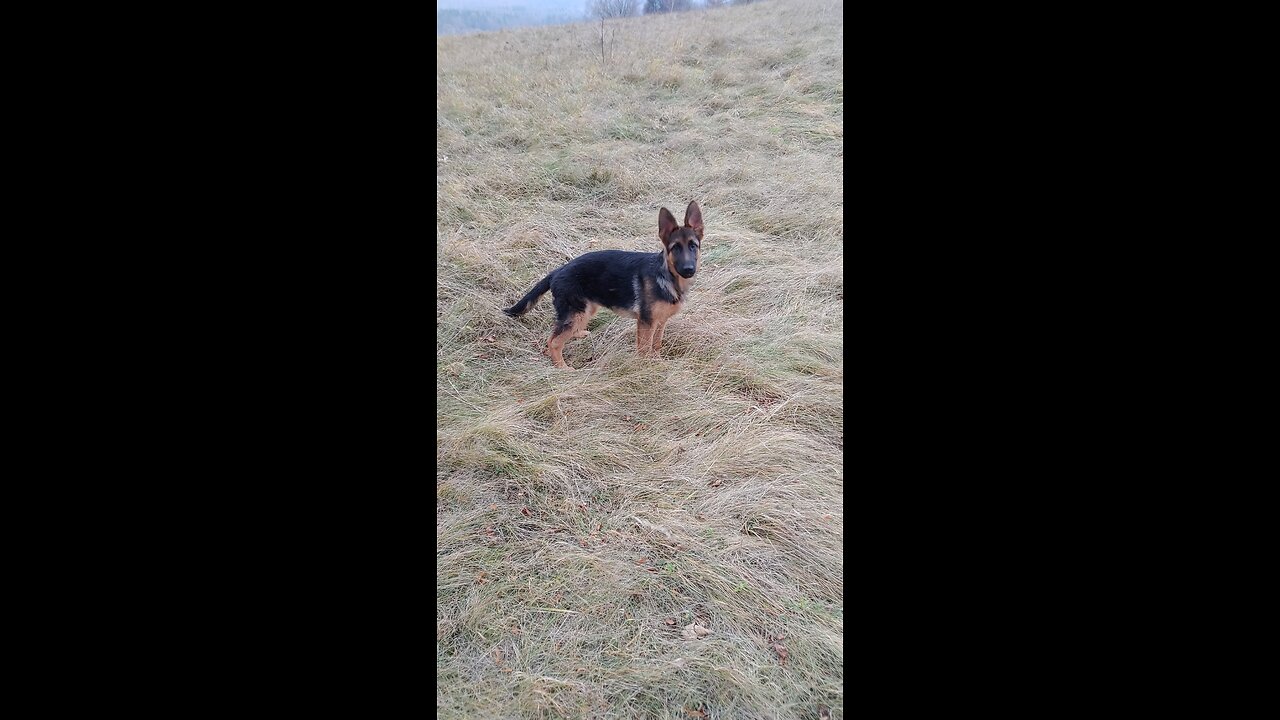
(693,218)
(666,225)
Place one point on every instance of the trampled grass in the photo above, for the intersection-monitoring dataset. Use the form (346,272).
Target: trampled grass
(585,519)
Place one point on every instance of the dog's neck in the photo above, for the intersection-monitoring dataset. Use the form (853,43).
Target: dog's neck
(682,285)
(679,284)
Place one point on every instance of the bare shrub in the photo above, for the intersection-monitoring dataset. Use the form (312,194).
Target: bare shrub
(612,8)
(663,6)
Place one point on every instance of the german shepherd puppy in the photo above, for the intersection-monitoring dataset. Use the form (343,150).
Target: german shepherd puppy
(650,287)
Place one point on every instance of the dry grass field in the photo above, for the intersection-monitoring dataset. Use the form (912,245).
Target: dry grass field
(645,537)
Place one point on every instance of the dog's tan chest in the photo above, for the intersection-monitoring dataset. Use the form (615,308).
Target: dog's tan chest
(662,311)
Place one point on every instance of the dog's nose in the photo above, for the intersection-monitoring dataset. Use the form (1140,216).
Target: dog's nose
(687,272)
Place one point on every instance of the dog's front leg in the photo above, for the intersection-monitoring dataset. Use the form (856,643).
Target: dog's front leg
(644,338)
(657,336)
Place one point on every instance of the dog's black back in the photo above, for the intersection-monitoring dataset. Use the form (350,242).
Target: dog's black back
(614,279)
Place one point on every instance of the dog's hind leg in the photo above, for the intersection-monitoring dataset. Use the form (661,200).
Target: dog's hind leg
(592,309)
(566,329)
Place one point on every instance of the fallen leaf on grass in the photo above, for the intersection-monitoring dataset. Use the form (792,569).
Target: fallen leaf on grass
(498,656)
(782,654)
(493,506)
(525,511)
(480,578)
(692,631)
(695,713)
(670,621)
(717,482)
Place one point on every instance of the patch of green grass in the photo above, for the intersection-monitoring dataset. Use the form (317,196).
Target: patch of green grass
(635,129)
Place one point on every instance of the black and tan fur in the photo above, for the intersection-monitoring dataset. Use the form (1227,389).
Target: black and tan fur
(650,287)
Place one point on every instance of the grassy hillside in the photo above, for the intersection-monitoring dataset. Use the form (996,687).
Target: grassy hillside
(646,537)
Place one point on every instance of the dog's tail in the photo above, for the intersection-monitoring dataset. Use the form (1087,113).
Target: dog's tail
(528,300)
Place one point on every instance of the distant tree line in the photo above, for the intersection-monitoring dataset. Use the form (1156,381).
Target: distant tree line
(661,6)
(627,8)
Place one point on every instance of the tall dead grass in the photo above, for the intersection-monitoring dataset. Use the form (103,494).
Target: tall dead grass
(585,520)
